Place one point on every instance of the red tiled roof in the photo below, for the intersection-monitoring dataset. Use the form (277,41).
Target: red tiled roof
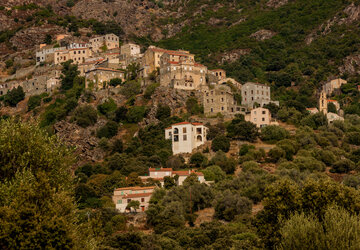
(331,100)
(172,62)
(134,188)
(217,70)
(186,173)
(198,65)
(160,169)
(184,123)
(311,108)
(168,128)
(136,195)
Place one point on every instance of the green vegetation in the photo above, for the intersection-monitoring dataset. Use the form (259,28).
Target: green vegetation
(14,96)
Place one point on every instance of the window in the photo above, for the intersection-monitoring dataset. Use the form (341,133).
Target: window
(198,131)
(252,91)
(184,130)
(207,94)
(254,119)
(176,131)
(207,100)
(222,108)
(119,202)
(222,99)
(254,112)
(211,110)
(263,119)
(264,112)
(142,199)
(184,137)
(176,138)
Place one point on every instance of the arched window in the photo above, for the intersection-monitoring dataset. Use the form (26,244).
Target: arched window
(176,131)
(199,138)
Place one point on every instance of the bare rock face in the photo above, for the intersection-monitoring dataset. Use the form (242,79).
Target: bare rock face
(347,16)
(233,55)
(262,35)
(276,3)
(351,65)
(81,139)
(28,38)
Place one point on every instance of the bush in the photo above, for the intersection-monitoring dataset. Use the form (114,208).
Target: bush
(198,160)
(228,165)
(107,107)
(130,89)
(342,166)
(34,101)
(228,205)
(309,164)
(85,116)
(353,138)
(136,114)
(120,114)
(115,82)
(193,107)
(117,146)
(273,133)
(214,173)
(149,91)
(109,130)
(14,96)
(220,142)
(243,130)
(163,112)
(275,154)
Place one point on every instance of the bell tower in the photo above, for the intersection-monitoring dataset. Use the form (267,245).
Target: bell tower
(323,107)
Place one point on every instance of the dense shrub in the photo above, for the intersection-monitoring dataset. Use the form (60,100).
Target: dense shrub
(353,138)
(273,133)
(109,130)
(163,112)
(149,91)
(85,116)
(342,166)
(136,114)
(228,165)
(193,107)
(243,130)
(34,101)
(107,107)
(220,142)
(214,173)
(275,154)
(228,205)
(309,164)
(130,89)
(120,114)
(14,96)
(198,160)
(115,82)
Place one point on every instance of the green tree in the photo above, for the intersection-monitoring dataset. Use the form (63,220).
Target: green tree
(136,114)
(332,108)
(133,205)
(14,96)
(220,142)
(85,116)
(107,107)
(36,202)
(198,160)
(273,133)
(120,114)
(163,112)
(110,129)
(243,130)
(115,82)
(34,101)
(193,107)
(69,74)
(228,205)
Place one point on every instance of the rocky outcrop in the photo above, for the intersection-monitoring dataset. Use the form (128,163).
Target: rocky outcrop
(276,3)
(81,139)
(351,65)
(262,35)
(233,55)
(349,15)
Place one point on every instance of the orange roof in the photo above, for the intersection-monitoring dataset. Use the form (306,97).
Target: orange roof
(184,123)
(172,62)
(108,69)
(331,100)
(168,128)
(136,195)
(186,173)
(160,169)
(134,188)
(311,108)
(217,70)
(198,65)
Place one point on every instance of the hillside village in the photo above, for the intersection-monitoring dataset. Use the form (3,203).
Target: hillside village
(103,61)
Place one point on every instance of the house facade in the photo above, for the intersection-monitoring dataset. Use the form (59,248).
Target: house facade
(186,136)
(220,99)
(77,55)
(219,73)
(123,196)
(333,85)
(46,54)
(181,72)
(261,117)
(252,93)
(100,75)
(111,41)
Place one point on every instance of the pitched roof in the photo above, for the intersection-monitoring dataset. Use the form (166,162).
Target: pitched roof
(134,188)
(136,195)
(331,100)
(160,169)
(185,123)
(187,173)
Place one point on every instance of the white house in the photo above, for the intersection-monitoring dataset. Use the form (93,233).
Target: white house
(123,196)
(261,117)
(186,136)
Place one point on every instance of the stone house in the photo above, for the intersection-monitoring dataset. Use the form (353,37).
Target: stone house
(46,54)
(160,173)
(99,76)
(219,73)
(331,117)
(110,40)
(77,55)
(151,59)
(333,85)
(312,110)
(123,196)
(89,65)
(220,99)
(182,73)
(186,136)
(255,93)
(130,49)
(261,117)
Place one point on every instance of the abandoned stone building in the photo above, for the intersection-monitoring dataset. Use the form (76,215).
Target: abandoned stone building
(183,73)
(219,73)
(46,54)
(77,55)
(255,93)
(220,99)
(151,59)
(99,76)
(333,85)
(111,41)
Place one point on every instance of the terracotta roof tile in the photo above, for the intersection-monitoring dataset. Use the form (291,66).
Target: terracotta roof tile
(136,195)
(160,169)
(134,188)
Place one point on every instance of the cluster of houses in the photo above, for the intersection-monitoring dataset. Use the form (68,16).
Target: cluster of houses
(102,59)
(124,196)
